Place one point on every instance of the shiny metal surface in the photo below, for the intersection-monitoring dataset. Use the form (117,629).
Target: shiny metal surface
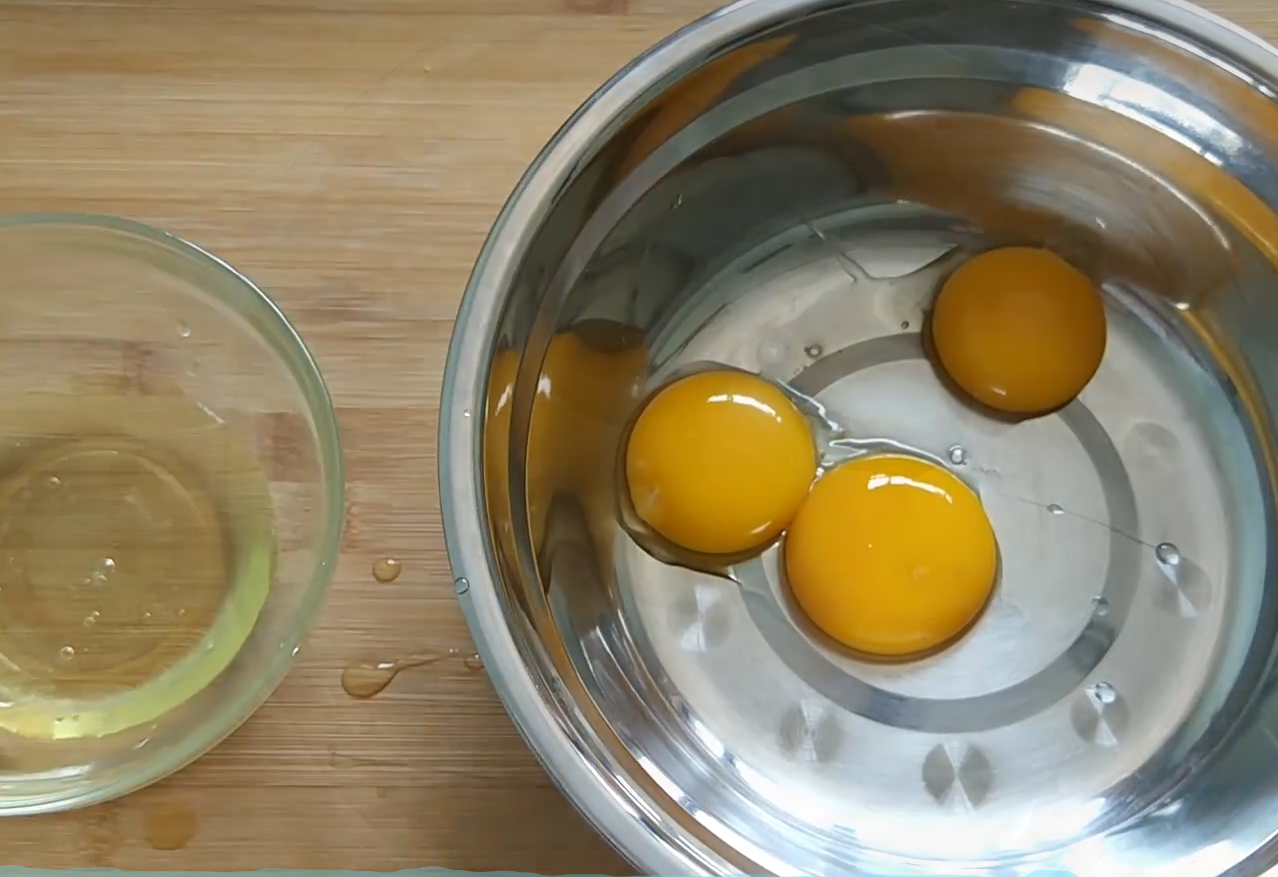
(780,187)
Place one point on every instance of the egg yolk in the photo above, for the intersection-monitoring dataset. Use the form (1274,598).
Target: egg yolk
(1019,329)
(719,462)
(891,556)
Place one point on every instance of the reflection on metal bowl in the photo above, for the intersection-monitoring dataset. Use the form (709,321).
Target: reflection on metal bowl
(772,188)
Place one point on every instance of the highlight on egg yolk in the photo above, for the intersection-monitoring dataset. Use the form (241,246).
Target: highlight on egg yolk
(1019,329)
(891,555)
(719,462)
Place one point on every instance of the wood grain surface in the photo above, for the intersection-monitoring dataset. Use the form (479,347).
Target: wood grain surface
(349,155)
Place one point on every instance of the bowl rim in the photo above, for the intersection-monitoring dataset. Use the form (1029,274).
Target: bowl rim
(303,368)
(626,816)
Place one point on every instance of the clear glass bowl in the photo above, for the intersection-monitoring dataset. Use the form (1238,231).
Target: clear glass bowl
(171,500)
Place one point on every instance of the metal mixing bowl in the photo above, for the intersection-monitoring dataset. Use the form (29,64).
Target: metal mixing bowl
(768,188)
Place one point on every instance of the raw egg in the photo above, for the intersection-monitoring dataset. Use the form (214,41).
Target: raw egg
(891,555)
(1019,329)
(719,462)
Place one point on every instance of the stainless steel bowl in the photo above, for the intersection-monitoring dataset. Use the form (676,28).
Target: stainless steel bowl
(769,188)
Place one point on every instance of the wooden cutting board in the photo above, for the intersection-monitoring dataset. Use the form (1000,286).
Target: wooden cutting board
(350,156)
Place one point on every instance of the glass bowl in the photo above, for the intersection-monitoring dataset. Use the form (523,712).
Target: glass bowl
(171,499)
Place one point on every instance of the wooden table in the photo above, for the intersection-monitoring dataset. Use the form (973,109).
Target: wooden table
(349,155)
